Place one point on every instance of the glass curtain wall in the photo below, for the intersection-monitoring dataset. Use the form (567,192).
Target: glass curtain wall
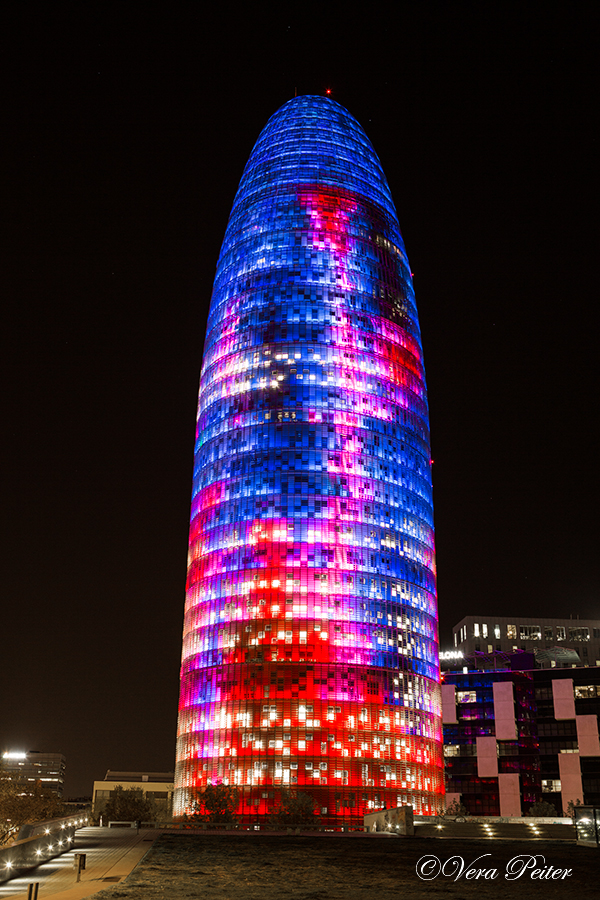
(310,651)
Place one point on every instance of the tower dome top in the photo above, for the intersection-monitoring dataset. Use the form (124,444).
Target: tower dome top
(314,140)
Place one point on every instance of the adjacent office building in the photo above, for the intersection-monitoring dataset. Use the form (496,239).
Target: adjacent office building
(155,786)
(555,642)
(310,650)
(513,737)
(33,766)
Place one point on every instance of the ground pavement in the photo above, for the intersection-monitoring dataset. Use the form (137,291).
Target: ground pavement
(111,854)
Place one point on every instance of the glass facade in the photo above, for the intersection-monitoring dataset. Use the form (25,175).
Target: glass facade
(476,718)
(310,651)
(541,738)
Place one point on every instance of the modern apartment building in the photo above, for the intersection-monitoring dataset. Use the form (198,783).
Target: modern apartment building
(35,765)
(514,737)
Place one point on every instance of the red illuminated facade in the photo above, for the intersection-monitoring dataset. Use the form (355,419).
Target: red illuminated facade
(310,654)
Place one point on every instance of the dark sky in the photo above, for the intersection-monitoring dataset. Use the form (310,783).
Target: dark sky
(125,132)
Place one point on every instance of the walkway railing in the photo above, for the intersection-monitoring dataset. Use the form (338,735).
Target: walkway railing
(38,843)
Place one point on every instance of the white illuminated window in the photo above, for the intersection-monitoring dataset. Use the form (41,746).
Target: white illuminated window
(551,786)
(588,690)
(530,633)
(579,634)
(466,697)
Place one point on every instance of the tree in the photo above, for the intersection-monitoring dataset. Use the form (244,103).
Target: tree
(571,807)
(129,805)
(296,808)
(456,809)
(542,808)
(23,804)
(216,804)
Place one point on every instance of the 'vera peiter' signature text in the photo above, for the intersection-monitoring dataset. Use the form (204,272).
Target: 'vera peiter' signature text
(430,867)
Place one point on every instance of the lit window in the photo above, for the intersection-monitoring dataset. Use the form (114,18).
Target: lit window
(530,633)
(451,750)
(579,634)
(583,692)
(551,786)
(466,697)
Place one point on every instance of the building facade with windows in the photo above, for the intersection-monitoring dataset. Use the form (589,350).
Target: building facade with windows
(33,766)
(310,650)
(514,737)
(155,786)
(555,642)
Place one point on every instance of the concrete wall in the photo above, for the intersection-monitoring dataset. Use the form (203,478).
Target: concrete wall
(564,698)
(504,711)
(25,854)
(571,788)
(510,794)
(487,757)
(587,735)
(449,704)
(396,821)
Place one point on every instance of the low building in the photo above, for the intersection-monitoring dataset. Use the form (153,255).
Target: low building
(513,737)
(32,766)
(556,643)
(156,786)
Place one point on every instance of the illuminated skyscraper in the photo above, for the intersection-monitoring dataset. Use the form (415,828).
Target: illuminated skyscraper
(310,655)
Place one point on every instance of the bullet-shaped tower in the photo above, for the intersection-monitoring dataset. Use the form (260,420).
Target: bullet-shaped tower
(310,653)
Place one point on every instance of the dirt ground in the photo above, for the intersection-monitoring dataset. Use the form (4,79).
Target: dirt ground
(351,867)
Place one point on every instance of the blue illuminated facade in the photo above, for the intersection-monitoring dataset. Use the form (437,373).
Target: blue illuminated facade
(310,655)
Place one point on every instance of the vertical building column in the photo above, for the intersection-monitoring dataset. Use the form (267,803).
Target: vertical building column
(510,794)
(504,711)
(563,698)
(587,736)
(449,704)
(487,757)
(571,788)
(506,730)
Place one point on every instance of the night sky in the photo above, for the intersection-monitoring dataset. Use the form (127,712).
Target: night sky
(125,134)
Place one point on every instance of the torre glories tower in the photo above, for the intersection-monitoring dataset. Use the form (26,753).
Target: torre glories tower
(310,648)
